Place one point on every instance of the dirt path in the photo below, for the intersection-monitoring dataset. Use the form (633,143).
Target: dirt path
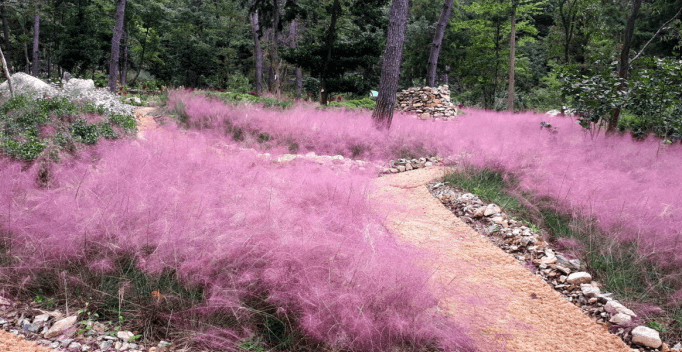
(10,342)
(482,287)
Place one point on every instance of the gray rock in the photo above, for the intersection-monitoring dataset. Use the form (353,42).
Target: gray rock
(678,346)
(579,278)
(646,336)
(400,168)
(55,344)
(106,344)
(31,327)
(3,321)
(428,163)
(60,326)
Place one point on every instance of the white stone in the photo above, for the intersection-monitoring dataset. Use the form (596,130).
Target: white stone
(579,278)
(39,319)
(615,305)
(26,84)
(621,319)
(646,336)
(548,260)
(589,290)
(60,326)
(79,84)
(124,335)
(491,209)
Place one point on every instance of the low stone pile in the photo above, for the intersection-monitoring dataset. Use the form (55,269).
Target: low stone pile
(75,333)
(427,102)
(529,247)
(402,165)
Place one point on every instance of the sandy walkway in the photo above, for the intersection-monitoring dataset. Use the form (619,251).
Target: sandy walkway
(14,343)
(482,287)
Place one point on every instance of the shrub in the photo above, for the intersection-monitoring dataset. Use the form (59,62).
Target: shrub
(28,127)
(365,103)
(196,234)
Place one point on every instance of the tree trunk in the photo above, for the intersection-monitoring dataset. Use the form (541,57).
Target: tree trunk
(35,71)
(437,41)
(293,31)
(5,30)
(390,70)
(4,68)
(27,69)
(299,82)
(331,37)
(124,66)
(512,54)
(623,72)
(257,52)
(276,86)
(116,44)
(139,66)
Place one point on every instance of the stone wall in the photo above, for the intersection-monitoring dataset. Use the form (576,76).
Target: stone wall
(427,102)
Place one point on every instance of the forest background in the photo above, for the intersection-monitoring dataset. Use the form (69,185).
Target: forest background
(566,52)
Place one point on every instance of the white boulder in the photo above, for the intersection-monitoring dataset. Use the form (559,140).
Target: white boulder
(579,278)
(646,336)
(26,84)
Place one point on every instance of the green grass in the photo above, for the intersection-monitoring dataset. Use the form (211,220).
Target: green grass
(24,122)
(365,103)
(618,266)
(267,102)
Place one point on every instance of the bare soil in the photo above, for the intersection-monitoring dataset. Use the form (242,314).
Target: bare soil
(15,343)
(504,305)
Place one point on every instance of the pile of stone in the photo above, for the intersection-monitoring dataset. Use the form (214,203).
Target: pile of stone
(402,165)
(73,333)
(427,102)
(529,247)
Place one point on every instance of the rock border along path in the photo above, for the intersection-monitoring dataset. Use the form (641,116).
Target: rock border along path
(504,305)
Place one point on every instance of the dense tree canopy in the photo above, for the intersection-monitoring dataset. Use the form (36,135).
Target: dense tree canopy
(212,43)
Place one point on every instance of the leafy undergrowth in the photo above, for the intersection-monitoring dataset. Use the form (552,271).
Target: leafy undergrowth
(619,266)
(236,98)
(242,253)
(365,103)
(629,188)
(50,127)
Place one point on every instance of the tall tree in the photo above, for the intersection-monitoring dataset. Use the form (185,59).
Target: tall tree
(36,40)
(116,44)
(331,37)
(293,30)
(6,71)
(276,79)
(512,54)
(390,69)
(624,66)
(437,41)
(257,51)
(5,30)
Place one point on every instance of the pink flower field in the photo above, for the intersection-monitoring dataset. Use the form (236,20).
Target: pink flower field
(277,250)
(631,187)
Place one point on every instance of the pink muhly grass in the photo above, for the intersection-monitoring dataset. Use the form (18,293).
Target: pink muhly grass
(296,241)
(631,187)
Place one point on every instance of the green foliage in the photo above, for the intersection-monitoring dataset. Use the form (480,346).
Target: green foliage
(29,127)
(248,98)
(365,103)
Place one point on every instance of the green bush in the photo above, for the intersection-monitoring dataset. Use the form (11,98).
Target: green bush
(28,127)
(365,103)
(248,98)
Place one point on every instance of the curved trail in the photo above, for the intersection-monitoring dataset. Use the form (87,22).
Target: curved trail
(502,303)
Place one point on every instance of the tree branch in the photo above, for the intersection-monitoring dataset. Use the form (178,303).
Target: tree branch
(655,34)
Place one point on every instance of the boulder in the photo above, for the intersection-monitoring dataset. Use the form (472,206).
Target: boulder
(646,337)
(61,326)
(579,278)
(26,84)
(79,84)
